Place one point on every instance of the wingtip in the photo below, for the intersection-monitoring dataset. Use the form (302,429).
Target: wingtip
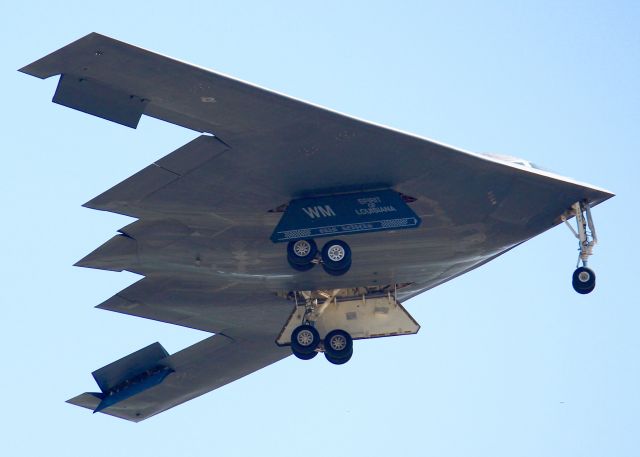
(44,67)
(88,400)
(25,70)
(603,195)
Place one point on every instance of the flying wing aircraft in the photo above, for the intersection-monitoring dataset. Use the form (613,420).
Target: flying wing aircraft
(284,227)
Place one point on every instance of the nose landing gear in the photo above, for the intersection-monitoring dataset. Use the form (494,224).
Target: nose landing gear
(584,279)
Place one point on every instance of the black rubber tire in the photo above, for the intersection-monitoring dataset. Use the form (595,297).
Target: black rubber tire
(582,285)
(297,347)
(295,259)
(334,353)
(301,356)
(305,267)
(339,265)
(339,360)
(336,272)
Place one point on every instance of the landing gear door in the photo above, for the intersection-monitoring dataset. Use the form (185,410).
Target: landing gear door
(345,214)
(360,317)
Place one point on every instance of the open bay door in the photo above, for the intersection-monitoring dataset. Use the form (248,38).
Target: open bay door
(362,317)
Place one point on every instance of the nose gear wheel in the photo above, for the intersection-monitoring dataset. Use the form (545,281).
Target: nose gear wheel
(584,280)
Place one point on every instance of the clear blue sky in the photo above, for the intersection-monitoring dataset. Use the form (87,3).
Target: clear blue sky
(509,361)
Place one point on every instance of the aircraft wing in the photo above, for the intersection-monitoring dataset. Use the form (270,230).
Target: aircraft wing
(206,212)
(245,324)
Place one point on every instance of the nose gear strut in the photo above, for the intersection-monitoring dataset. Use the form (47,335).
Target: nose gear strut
(584,279)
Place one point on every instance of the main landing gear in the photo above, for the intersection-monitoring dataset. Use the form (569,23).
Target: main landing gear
(584,279)
(305,339)
(338,347)
(335,256)
(306,343)
(329,320)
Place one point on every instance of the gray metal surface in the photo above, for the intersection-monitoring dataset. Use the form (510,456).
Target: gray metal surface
(206,210)
(200,368)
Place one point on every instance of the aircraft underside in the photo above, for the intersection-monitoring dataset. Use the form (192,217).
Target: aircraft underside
(285,227)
